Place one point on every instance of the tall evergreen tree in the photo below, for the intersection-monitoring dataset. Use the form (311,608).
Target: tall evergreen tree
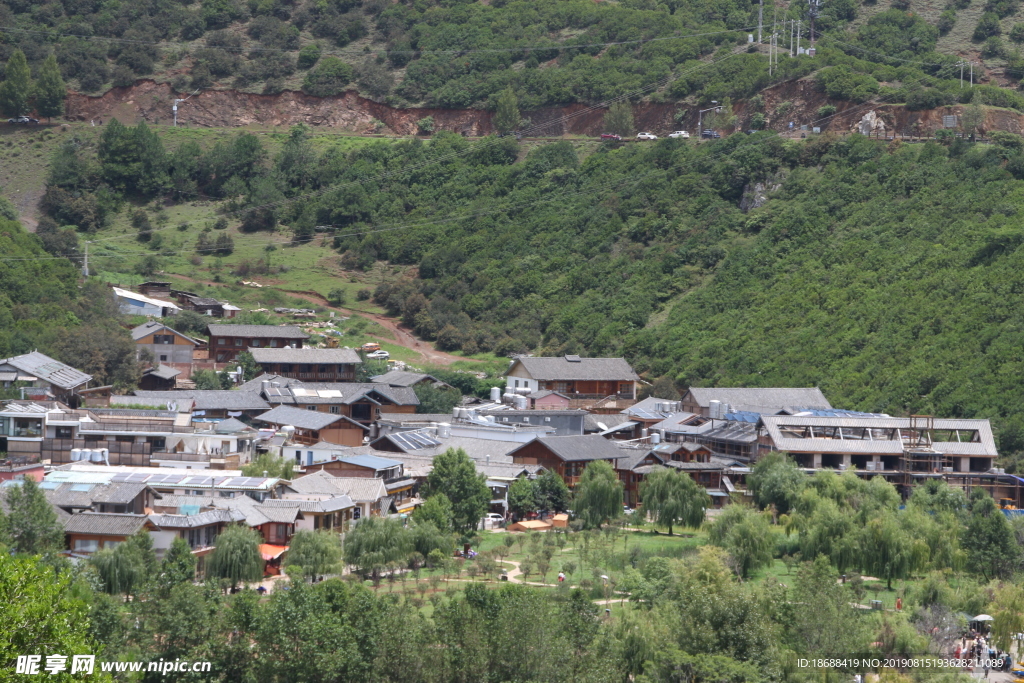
(619,119)
(32,523)
(507,117)
(17,86)
(179,565)
(50,89)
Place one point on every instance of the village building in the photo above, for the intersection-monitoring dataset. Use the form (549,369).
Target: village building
(566,455)
(370,496)
(203,305)
(321,365)
(131,303)
(714,401)
(312,426)
(227,341)
(362,402)
(165,343)
(573,376)
(563,422)
(404,378)
(90,532)
(213,405)
(159,378)
(41,372)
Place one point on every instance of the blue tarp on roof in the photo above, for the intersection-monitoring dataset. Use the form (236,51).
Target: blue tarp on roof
(836,412)
(742,416)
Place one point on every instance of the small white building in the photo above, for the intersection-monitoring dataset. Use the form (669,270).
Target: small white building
(132,303)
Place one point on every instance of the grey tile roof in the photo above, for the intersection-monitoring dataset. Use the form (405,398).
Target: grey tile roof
(104,524)
(300,418)
(305,355)
(765,398)
(614,420)
(560,368)
(576,448)
(359,489)
(257,331)
(47,369)
(162,371)
(630,459)
(402,418)
(146,329)
(674,420)
(214,399)
(294,392)
(85,495)
(118,494)
(165,521)
(403,378)
(280,514)
(544,393)
(326,505)
(230,426)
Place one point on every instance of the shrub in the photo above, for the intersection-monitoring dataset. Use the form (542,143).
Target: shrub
(426,125)
(826,110)
(122,77)
(757,121)
(925,98)
(987,26)
(842,83)
(1017,33)
(946,21)
(309,55)
(328,78)
(364,295)
(992,47)
(1001,8)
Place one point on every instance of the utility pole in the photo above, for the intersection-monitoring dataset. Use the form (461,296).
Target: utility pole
(961,65)
(175,107)
(813,6)
(85,263)
(972,74)
(760,16)
(798,22)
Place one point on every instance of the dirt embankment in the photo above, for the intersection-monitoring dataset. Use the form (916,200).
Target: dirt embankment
(152,102)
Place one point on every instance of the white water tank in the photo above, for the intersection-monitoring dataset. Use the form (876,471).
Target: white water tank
(522,403)
(444,430)
(655,438)
(96,455)
(289,431)
(105,455)
(715,409)
(495,394)
(643,433)
(76,454)
(508,397)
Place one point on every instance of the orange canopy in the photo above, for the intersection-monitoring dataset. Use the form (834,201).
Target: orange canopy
(272,552)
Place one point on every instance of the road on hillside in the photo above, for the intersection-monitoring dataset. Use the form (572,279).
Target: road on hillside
(403,337)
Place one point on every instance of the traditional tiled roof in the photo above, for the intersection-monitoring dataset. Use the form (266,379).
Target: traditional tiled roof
(86,495)
(257,331)
(765,398)
(301,419)
(104,524)
(213,399)
(47,369)
(280,514)
(577,448)
(403,378)
(231,425)
(326,505)
(359,489)
(197,520)
(572,368)
(590,421)
(306,355)
(162,371)
(333,393)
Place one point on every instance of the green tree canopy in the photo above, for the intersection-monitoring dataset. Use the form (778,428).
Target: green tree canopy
(598,496)
(992,550)
(50,89)
(437,511)
(436,400)
(374,543)
(280,468)
(316,552)
(672,497)
(523,496)
(619,119)
(552,491)
(32,524)
(506,116)
(776,480)
(17,86)
(455,476)
(178,566)
(237,556)
(746,534)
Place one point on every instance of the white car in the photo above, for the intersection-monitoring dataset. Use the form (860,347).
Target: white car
(379,355)
(646,136)
(679,134)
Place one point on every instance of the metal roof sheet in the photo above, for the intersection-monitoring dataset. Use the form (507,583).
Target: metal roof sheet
(305,355)
(45,368)
(569,368)
(771,397)
(257,331)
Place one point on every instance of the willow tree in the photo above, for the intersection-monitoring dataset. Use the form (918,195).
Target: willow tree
(888,551)
(315,552)
(237,556)
(672,498)
(374,543)
(598,497)
(118,570)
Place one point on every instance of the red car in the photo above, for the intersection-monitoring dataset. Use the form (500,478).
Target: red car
(611,136)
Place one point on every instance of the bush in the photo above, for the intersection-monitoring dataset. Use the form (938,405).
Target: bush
(309,55)
(329,78)
(1017,33)
(122,77)
(946,21)
(826,110)
(992,47)
(842,83)
(364,295)
(925,98)
(426,125)
(757,121)
(987,26)
(337,297)
(1001,8)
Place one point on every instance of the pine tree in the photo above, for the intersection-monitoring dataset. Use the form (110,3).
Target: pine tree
(619,119)
(507,118)
(50,89)
(17,87)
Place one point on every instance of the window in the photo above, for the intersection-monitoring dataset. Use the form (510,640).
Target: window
(222,342)
(357,512)
(316,523)
(110,545)
(255,343)
(335,410)
(211,535)
(125,439)
(227,494)
(156,442)
(163,338)
(273,343)
(547,419)
(298,457)
(163,358)
(313,408)
(305,368)
(526,420)
(238,342)
(517,383)
(86,545)
(196,493)
(286,367)
(324,368)
(194,538)
(62,432)
(504,419)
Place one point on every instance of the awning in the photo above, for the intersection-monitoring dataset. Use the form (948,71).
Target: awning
(983,617)
(619,428)
(272,552)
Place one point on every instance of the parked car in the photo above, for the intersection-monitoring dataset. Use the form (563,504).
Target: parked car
(679,134)
(646,136)
(379,355)
(627,510)
(370,346)
(710,134)
(610,136)
(22,119)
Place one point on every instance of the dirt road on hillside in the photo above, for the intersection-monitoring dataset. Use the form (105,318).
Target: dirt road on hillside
(402,336)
